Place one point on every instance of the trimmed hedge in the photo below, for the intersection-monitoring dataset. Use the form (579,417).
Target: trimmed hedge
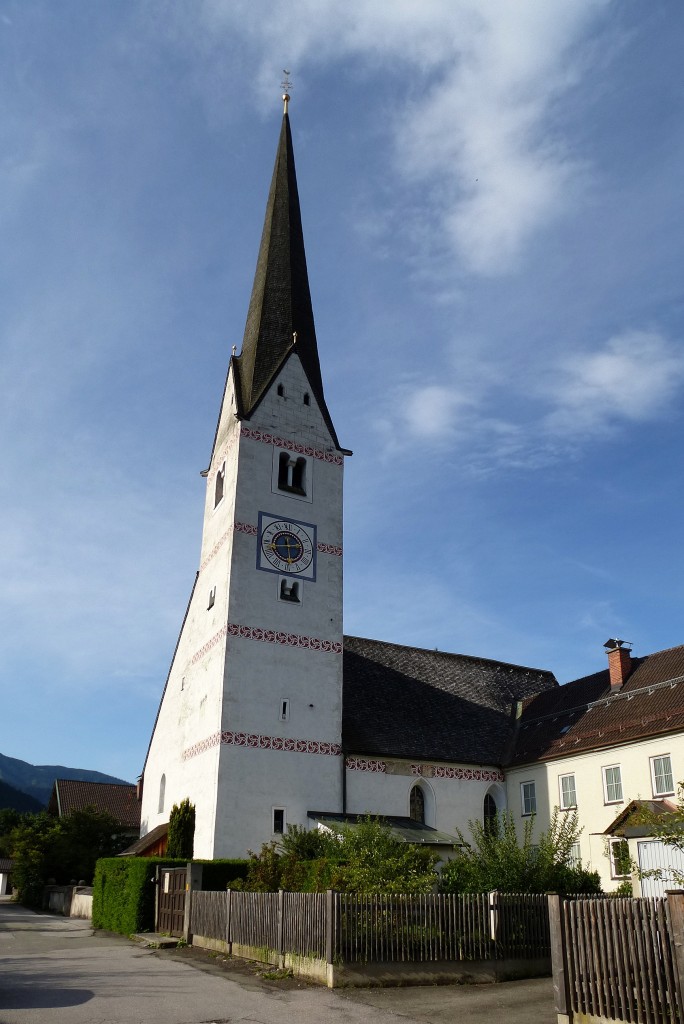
(123,893)
(123,889)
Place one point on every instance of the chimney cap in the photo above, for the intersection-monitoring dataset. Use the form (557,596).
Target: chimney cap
(614,644)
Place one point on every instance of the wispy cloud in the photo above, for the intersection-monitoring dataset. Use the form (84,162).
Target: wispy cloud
(476,86)
(632,377)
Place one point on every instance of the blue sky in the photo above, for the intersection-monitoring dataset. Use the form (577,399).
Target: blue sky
(491,196)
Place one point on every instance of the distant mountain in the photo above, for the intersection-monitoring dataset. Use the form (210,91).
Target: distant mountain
(38,779)
(11,797)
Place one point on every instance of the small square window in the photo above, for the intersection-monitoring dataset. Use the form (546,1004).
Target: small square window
(528,796)
(661,775)
(289,591)
(278,821)
(612,784)
(568,795)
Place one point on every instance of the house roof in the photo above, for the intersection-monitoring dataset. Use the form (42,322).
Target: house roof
(69,795)
(585,715)
(280,305)
(138,848)
(413,703)
(406,829)
(6,864)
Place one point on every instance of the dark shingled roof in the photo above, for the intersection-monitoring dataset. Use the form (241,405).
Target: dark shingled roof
(120,801)
(281,300)
(585,715)
(413,703)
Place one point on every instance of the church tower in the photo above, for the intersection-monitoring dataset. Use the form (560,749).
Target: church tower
(249,725)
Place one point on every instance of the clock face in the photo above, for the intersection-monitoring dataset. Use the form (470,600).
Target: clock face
(286,546)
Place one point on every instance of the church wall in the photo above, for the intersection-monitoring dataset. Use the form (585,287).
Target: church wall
(190,713)
(383,786)
(279,651)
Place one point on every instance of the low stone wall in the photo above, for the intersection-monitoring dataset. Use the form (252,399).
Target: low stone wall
(439,972)
(69,900)
(82,902)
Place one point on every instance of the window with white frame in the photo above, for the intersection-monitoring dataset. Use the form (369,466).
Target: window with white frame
(661,775)
(612,784)
(620,866)
(568,794)
(278,820)
(528,797)
(575,856)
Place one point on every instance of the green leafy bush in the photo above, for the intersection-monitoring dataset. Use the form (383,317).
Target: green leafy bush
(365,857)
(499,859)
(222,874)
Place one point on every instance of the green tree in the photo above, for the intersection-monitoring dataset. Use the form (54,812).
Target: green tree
(499,859)
(181,830)
(65,849)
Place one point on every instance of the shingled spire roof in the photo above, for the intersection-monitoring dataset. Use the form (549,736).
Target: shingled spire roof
(280,318)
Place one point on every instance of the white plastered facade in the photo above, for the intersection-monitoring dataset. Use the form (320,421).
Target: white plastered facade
(250,721)
(595,811)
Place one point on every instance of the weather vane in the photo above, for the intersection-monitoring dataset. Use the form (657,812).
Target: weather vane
(287,85)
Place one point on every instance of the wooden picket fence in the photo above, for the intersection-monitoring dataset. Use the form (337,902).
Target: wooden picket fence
(618,959)
(358,928)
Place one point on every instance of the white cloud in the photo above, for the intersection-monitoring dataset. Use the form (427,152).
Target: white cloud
(478,81)
(634,377)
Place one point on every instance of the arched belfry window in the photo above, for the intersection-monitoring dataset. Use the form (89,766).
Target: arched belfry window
(162,792)
(417,804)
(490,812)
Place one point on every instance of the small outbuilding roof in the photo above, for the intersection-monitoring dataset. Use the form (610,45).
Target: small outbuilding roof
(406,829)
(140,847)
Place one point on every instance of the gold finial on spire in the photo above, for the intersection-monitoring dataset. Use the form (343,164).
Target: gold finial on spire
(287,85)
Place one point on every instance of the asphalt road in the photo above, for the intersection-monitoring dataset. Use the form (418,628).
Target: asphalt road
(55,970)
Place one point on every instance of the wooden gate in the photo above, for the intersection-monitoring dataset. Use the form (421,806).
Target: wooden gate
(171,901)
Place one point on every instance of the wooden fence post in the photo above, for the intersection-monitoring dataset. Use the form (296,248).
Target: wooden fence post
(229,941)
(193,881)
(330,936)
(559,959)
(675,916)
(494,915)
(281,927)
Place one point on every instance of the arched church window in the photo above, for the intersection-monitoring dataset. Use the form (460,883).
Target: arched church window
(220,478)
(162,793)
(417,804)
(490,812)
(281,391)
(307,398)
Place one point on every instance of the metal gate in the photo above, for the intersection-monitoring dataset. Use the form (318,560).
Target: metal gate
(171,901)
(663,857)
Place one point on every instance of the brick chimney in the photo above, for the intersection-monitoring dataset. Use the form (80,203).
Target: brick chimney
(619,662)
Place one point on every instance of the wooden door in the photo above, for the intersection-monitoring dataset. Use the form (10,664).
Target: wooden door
(171,904)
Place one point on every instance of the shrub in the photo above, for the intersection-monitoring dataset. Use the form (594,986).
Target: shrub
(222,874)
(181,830)
(498,859)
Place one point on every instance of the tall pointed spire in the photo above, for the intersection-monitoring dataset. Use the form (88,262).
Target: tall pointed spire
(280,316)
